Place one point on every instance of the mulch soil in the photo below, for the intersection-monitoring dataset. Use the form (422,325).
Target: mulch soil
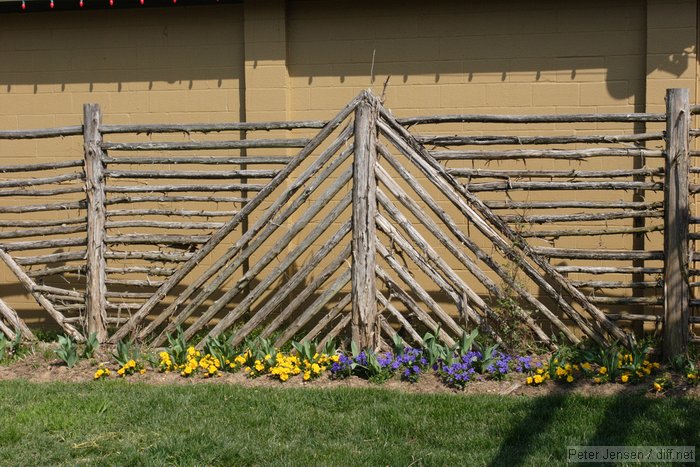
(39,366)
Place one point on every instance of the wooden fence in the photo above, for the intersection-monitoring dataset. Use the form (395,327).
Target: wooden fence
(361,226)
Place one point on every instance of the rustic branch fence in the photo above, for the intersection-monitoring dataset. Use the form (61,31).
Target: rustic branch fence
(358,227)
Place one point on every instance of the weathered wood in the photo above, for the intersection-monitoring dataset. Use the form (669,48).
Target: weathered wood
(168,212)
(418,340)
(191,175)
(550,186)
(123,306)
(79,269)
(212,127)
(74,130)
(487,140)
(181,188)
(154,239)
(626,300)
(324,320)
(676,290)
(607,270)
(42,223)
(152,271)
(563,118)
(397,291)
(604,216)
(258,233)
(42,231)
(17,323)
(41,166)
(96,288)
(572,204)
(490,225)
(563,154)
(42,244)
(317,305)
(429,252)
(149,255)
(364,211)
(552,174)
(189,145)
(59,291)
(236,220)
(468,313)
(163,225)
(216,160)
(280,295)
(578,232)
(418,290)
(128,295)
(277,271)
(618,284)
(598,254)
(175,199)
(30,286)
(464,239)
(51,192)
(333,333)
(62,299)
(6,330)
(635,317)
(62,206)
(28,182)
(134,282)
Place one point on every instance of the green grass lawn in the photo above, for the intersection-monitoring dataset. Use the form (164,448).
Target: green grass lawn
(115,422)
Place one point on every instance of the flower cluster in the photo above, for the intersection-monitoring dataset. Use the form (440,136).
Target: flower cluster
(539,378)
(101,373)
(454,368)
(459,373)
(131,367)
(194,362)
(286,366)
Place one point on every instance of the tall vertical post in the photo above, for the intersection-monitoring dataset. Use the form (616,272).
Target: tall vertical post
(96,290)
(676,218)
(364,211)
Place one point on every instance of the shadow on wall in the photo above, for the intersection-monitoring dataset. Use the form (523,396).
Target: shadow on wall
(415,42)
(197,48)
(505,43)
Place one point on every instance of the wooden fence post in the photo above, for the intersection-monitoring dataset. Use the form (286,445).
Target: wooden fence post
(676,218)
(364,210)
(95,293)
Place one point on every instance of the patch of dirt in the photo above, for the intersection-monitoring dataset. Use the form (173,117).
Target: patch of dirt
(39,366)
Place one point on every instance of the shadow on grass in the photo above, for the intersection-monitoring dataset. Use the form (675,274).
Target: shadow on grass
(517,445)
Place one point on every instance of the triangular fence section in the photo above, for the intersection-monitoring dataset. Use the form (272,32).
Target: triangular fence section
(355,229)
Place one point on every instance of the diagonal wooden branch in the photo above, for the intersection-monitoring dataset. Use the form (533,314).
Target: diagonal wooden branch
(328,318)
(229,319)
(13,318)
(464,239)
(314,308)
(30,286)
(418,340)
(263,228)
(490,225)
(413,308)
(252,247)
(417,289)
(235,221)
(309,290)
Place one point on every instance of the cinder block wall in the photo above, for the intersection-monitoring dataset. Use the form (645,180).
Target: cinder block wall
(304,59)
